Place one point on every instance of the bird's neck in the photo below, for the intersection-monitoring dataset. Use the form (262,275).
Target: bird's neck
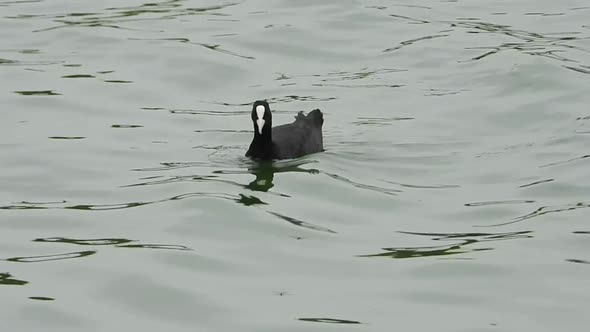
(264,139)
(262,146)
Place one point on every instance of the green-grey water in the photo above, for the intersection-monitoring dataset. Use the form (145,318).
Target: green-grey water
(452,195)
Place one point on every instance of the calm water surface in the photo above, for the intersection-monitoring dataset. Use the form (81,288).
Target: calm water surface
(453,195)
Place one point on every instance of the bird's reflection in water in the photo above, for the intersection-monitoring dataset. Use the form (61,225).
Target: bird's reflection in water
(265,174)
(265,171)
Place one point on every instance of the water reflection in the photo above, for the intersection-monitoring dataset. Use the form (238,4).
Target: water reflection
(263,182)
(264,175)
(465,244)
(264,172)
(264,178)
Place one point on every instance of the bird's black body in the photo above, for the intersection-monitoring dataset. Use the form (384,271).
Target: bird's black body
(293,140)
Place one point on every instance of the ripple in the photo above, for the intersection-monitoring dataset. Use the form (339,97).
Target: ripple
(67,137)
(119,206)
(282,99)
(46,258)
(382,190)
(443,92)
(84,242)
(418,186)
(7,279)
(41,298)
(329,320)
(115,17)
(125,126)
(209,112)
(301,223)
(179,178)
(8,62)
(332,78)
(243,112)
(566,161)
(358,74)
(118,81)
(581,69)
(543,14)
(536,183)
(156,246)
(380,122)
(412,41)
(480,236)
(168,166)
(360,85)
(486,203)
(22,50)
(6,3)
(414,252)
(532,43)
(212,47)
(78,76)
(38,93)
(412,20)
(463,247)
(222,131)
(543,211)
(250,200)
(115,242)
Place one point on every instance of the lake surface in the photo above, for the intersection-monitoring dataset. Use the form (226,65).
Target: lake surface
(453,194)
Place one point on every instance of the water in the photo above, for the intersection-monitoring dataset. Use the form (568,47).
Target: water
(452,196)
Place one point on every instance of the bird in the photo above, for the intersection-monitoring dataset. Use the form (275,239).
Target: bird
(288,141)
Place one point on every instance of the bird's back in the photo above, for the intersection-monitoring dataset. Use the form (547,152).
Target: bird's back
(302,137)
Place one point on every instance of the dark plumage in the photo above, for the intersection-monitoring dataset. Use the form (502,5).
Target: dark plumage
(293,140)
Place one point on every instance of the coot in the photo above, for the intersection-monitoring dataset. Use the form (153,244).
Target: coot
(293,140)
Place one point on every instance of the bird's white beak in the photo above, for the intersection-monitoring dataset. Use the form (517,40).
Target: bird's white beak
(260,123)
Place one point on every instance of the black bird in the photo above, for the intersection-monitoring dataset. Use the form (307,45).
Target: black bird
(293,140)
